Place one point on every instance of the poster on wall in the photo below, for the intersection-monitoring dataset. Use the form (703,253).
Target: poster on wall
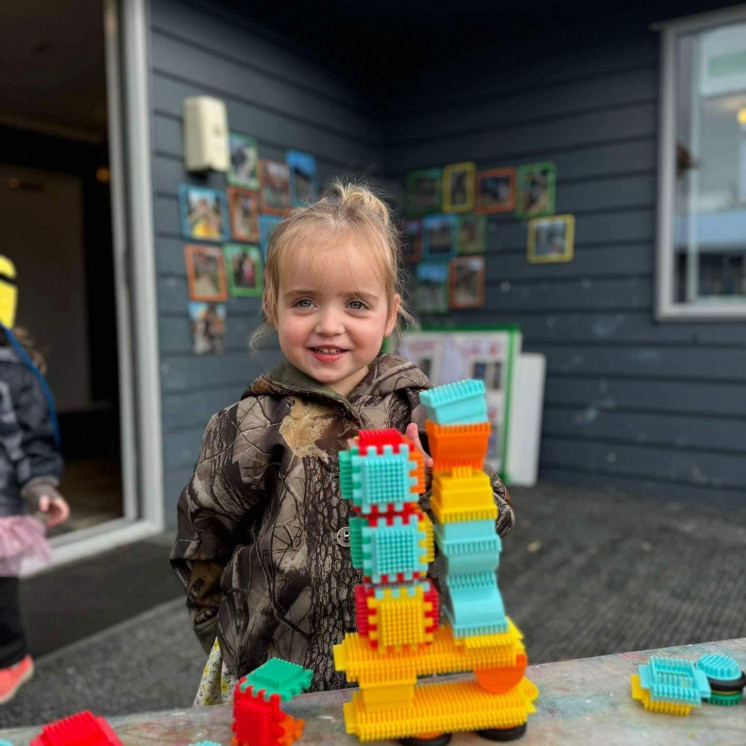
(487,354)
(304,181)
(551,239)
(274,187)
(204,213)
(205,273)
(267,224)
(494,190)
(439,237)
(208,327)
(466,282)
(535,190)
(458,187)
(431,293)
(424,192)
(243,208)
(244,269)
(244,157)
(472,234)
(412,242)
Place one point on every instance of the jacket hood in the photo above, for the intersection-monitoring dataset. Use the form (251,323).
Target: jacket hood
(386,374)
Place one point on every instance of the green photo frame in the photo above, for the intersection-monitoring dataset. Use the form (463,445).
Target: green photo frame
(424,192)
(244,270)
(536,190)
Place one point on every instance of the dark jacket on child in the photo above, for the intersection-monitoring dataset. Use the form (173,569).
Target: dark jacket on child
(29,449)
(260,547)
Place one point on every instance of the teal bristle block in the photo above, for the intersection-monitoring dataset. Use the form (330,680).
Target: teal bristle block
(473,605)
(278,676)
(469,555)
(720,667)
(460,403)
(377,479)
(674,680)
(461,530)
(390,549)
(356,541)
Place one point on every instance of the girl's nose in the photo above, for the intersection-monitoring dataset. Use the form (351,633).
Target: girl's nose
(329,323)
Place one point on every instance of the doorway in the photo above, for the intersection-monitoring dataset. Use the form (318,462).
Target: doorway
(56,219)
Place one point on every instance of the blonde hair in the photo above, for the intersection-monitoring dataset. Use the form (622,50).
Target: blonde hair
(344,208)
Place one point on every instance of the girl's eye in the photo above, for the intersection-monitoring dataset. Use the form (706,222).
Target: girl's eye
(304,303)
(357,305)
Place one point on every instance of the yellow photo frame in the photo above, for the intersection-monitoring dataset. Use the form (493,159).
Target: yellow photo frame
(458,187)
(551,239)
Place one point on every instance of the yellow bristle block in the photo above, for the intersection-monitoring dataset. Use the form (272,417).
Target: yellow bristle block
(365,664)
(464,494)
(442,707)
(667,708)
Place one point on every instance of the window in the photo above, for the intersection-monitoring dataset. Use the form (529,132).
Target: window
(702,168)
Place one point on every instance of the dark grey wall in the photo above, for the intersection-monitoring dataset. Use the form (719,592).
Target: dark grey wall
(285,102)
(655,408)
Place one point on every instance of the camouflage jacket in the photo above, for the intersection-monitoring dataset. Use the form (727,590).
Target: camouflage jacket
(261,546)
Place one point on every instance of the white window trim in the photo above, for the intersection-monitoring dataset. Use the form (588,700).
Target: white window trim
(665,308)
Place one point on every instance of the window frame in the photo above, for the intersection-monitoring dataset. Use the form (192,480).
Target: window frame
(666,309)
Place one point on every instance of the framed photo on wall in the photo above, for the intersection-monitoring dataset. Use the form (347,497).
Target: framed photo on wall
(244,156)
(304,181)
(424,192)
(267,224)
(204,213)
(412,242)
(431,295)
(466,282)
(274,187)
(205,273)
(243,208)
(245,270)
(458,187)
(536,186)
(439,236)
(494,190)
(208,327)
(551,239)
(471,237)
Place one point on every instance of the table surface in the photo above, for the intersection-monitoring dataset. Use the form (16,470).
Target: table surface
(584,701)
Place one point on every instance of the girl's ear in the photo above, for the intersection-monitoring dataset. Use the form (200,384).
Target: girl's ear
(267,310)
(393,314)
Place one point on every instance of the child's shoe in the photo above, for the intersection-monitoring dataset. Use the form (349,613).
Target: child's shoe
(13,677)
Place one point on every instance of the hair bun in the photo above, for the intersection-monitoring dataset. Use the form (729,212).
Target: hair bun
(358,196)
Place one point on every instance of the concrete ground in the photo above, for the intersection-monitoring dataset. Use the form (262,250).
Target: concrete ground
(586,572)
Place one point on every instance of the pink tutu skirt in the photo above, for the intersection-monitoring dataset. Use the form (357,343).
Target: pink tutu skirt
(21,536)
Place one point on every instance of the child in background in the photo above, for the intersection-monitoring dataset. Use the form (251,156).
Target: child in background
(30,468)
(263,539)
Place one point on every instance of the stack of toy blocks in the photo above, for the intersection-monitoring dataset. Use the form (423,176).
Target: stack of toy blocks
(257,717)
(399,637)
(670,685)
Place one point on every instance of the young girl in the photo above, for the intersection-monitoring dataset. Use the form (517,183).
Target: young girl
(263,544)
(30,468)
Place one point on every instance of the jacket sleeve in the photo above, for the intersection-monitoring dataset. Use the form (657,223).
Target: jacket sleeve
(215,511)
(40,459)
(505,514)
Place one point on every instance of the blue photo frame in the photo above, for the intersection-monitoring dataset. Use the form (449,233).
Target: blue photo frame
(267,223)
(304,180)
(204,213)
(439,237)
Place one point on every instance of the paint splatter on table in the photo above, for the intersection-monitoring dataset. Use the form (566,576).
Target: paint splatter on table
(583,701)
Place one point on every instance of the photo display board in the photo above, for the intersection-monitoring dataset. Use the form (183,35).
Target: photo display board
(488,354)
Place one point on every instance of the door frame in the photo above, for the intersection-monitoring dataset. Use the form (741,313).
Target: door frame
(126,38)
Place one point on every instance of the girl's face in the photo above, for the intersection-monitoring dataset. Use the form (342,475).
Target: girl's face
(332,314)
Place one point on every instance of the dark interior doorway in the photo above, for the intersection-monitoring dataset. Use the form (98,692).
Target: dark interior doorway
(55,218)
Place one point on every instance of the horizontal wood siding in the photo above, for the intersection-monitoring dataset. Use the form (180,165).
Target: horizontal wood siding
(284,102)
(631,403)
